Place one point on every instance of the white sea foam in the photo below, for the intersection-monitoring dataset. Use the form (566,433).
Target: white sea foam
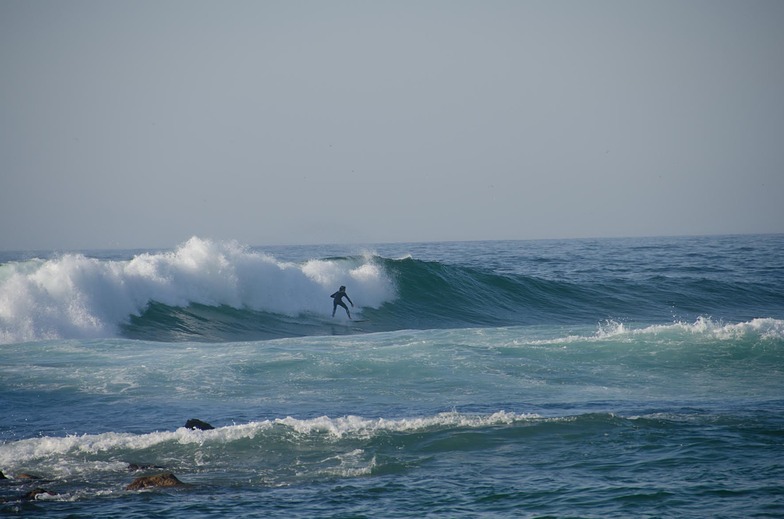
(17,453)
(74,296)
(764,328)
(365,427)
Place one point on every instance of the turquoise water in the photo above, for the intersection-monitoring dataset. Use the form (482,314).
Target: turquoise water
(579,378)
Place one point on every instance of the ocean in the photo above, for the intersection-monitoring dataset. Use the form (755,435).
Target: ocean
(639,377)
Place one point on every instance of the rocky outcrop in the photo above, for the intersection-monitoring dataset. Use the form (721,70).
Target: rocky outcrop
(165,479)
(195,423)
(34,493)
(24,475)
(29,496)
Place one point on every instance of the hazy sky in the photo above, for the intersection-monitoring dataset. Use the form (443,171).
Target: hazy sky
(143,123)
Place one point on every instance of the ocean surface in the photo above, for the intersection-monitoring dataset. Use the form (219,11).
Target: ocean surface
(558,378)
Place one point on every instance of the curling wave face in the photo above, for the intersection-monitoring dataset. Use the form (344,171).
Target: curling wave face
(212,291)
(74,296)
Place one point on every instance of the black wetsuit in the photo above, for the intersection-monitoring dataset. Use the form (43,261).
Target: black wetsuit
(337,299)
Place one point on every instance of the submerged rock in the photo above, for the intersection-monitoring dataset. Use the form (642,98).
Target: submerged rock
(195,423)
(34,493)
(29,496)
(166,479)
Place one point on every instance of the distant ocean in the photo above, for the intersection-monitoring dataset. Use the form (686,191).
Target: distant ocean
(557,378)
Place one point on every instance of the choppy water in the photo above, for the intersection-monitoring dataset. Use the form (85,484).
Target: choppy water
(581,378)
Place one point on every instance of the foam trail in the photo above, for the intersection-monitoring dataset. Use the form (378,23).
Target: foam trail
(13,454)
(704,328)
(74,296)
(765,328)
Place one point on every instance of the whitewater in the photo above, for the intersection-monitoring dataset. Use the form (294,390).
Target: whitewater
(75,296)
(563,378)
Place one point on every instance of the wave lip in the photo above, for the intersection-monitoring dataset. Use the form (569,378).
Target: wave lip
(74,296)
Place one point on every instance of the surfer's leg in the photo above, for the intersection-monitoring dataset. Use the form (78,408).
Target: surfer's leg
(341,303)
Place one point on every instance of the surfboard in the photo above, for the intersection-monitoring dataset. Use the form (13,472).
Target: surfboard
(359,320)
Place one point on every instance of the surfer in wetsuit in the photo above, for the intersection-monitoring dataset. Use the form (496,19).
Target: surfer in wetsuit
(337,299)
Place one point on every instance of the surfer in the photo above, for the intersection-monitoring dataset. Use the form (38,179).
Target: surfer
(337,299)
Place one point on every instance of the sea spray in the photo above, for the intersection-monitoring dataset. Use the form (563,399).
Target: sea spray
(74,296)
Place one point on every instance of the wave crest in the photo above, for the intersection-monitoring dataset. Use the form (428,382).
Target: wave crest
(74,296)
(763,328)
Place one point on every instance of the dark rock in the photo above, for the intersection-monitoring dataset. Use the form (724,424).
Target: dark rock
(26,476)
(166,479)
(29,496)
(2,476)
(34,493)
(195,423)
